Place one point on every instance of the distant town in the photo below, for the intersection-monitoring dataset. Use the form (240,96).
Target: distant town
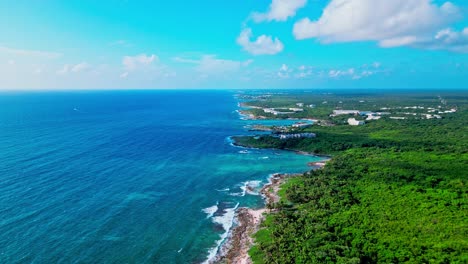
(331,111)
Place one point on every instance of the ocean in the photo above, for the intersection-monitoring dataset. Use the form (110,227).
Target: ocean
(125,176)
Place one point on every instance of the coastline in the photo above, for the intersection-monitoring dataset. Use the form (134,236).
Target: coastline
(299,152)
(248,221)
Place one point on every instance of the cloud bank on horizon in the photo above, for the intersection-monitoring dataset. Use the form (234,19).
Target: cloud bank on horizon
(274,44)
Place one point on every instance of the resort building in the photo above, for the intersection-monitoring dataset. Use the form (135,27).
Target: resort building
(432,116)
(300,135)
(354,122)
(301,125)
(276,111)
(296,109)
(373,117)
(345,112)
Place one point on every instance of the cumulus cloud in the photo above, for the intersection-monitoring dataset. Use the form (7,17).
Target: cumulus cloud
(131,63)
(303,72)
(357,73)
(340,73)
(449,39)
(263,45)
(284,72)
(280,10)
(390,23)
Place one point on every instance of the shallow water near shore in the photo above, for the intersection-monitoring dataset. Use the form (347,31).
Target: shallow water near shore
(144,176)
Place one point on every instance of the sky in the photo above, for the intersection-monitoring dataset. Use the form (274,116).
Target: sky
(185,44)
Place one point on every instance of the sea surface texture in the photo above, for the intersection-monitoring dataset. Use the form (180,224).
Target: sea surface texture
(125,177)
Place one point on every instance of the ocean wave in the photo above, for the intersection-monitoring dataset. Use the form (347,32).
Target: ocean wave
(226,221)
(223,190)
(230,141)
(210,211)
(249,187)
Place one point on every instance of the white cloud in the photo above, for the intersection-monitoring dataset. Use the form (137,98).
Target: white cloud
(280,10)
(185,60)
(284,72)
(80,67)
(450,40)
(30,53)
(303,72)
(70,68)
(121,43)
(263,45)
(358,72)
(211,65)
(131,63)
(390,23)
(124,75)
(247,62)
(340,73)
(64,70)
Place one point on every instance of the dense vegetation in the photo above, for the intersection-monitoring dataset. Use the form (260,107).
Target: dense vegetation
(395,192)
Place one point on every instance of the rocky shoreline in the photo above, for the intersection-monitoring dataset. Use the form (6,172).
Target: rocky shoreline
(248,221)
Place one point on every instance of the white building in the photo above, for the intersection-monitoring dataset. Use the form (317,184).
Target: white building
(300,135)
(373,117)
(345,112)
(296,109)
(354,122)
(301,125)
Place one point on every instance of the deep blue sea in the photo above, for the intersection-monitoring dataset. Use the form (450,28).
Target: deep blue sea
(125,177)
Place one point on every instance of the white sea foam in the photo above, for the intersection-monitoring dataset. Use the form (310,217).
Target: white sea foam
(226,221)
(250,187)
(223,190)
(210,211)
(230,141)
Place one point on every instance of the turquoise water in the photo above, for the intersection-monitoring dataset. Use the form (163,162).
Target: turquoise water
(124,177)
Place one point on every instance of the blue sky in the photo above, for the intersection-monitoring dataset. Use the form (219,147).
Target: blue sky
(52,44)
